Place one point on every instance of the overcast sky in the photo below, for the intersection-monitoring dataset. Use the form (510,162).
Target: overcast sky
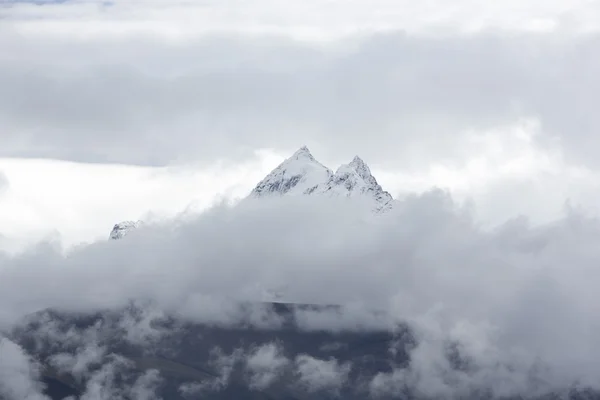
(491,100)
(128,109)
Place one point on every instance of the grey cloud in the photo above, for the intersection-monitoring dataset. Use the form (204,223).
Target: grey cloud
(265,364)
(403,100)
(83,360)
(101,385)
(19,373)
(79,364)
(426,263)
(145,386)
(443,369)
(224,364)
(140,326)
(317,375)
(190,389)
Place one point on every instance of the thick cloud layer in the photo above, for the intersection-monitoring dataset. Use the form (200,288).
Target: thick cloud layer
(511,298)
(111,95)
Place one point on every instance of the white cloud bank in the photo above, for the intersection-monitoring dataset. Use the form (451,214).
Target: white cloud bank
(504,174)
(511,297)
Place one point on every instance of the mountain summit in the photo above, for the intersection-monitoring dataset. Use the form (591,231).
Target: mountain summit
(302,174)
(299,174)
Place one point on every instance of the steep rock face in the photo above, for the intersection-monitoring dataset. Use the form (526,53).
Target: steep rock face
(121,229)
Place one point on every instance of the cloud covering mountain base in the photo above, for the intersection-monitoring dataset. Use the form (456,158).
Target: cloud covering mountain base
(517,302)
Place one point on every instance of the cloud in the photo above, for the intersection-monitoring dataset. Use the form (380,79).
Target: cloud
(509,310)
(78,357)
(82,202)
(442,368)
(316,375)
(19,373)
(265,364)
(224,364)
(140,325)
(78,365)
(404,99)
(145,386)
(506,300)
(302,20)
(176,18)
(103,385)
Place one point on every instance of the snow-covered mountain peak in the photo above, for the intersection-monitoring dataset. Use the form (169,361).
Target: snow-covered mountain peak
(303,174)
(299,174)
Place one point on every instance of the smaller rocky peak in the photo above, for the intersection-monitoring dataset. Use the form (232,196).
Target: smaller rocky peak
(361,168)
(123,228)
(356,167)
(356,178)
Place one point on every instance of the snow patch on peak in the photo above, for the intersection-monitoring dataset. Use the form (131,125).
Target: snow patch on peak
(123,228)
(299,174)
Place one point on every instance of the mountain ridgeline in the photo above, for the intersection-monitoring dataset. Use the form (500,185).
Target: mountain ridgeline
(301,174)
